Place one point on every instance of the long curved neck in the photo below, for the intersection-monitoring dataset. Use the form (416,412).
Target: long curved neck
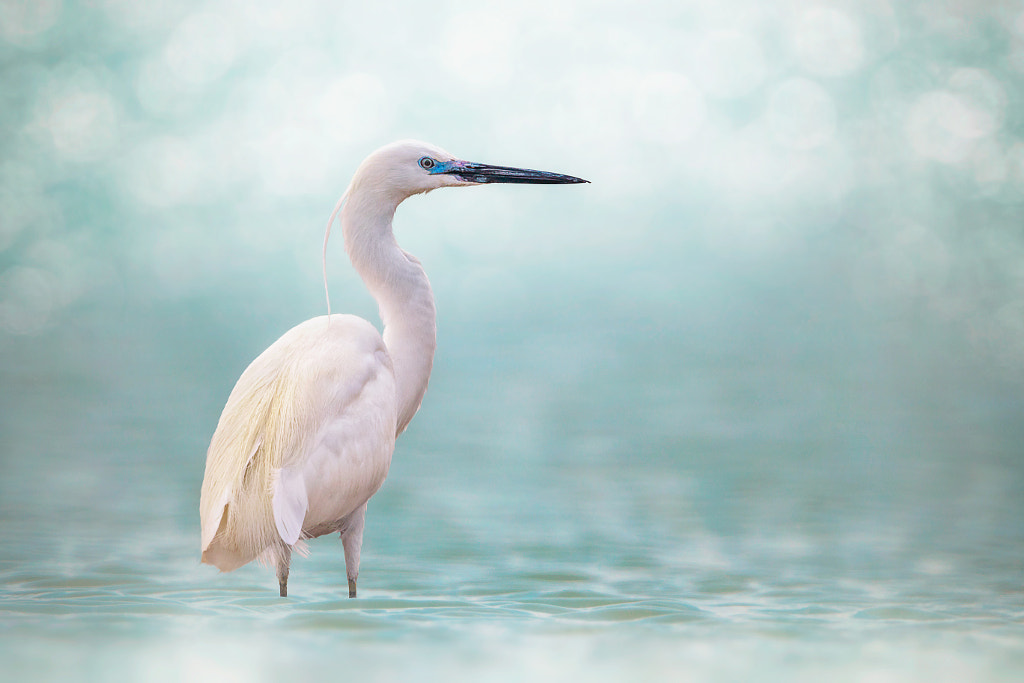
(399,284)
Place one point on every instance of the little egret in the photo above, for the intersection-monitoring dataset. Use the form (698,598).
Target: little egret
(308,431)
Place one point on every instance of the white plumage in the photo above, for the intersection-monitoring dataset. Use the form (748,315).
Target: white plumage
(307,434)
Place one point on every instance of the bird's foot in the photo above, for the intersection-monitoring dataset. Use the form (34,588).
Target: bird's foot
(351,588)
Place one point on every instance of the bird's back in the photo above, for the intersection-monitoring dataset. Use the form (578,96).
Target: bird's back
(305,438)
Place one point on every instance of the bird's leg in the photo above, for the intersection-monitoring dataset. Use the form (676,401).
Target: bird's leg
(352,541)
(284,559)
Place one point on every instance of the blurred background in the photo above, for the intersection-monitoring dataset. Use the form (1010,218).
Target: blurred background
(756,389)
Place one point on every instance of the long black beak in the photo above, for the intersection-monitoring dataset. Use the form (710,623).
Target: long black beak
(485,173)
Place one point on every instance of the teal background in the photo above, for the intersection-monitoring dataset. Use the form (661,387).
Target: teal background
(747,407)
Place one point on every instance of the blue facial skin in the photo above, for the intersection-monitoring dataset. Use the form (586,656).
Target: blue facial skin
(439,166)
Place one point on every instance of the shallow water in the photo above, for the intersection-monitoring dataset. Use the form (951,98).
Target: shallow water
(537,527)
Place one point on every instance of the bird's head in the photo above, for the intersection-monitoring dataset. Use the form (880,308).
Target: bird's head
(399,170)
(409,167)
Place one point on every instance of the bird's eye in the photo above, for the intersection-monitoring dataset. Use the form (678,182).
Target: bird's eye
(426,163)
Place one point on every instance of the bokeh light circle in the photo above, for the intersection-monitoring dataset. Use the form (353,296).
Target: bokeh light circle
(729,64)
(828,42)
(801,114)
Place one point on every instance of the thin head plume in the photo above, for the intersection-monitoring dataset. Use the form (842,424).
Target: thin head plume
(327,236)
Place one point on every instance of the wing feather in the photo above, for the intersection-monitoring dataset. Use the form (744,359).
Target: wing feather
(289,503)
(270,424)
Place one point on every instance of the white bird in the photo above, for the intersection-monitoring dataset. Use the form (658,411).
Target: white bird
(308,431)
